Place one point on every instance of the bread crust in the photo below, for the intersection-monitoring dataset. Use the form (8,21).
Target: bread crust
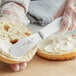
(59,57)
(27,57)
(9,61)
(55,54)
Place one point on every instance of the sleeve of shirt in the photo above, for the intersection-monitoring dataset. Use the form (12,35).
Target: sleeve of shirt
(25,3)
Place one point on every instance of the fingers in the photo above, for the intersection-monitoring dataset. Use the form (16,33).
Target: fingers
(15,13)
(72,28)
(23,65)
(70,12)
(66,22)
(17,67)
(65,7)
(67,18)
(60,12)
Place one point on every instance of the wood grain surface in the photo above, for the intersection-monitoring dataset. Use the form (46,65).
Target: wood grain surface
(41,67)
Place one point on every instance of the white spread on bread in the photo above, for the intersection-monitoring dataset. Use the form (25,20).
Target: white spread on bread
(5,45)
(61,44)
(10,33)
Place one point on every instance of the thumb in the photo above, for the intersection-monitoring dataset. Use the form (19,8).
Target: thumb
(60,12)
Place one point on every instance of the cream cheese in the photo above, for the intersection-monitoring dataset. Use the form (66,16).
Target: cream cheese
(61,44)
(5,45)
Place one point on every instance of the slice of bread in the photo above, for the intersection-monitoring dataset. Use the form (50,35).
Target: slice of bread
(57,48)
(10,33)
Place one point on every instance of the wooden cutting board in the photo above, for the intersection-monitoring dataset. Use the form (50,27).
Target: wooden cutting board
(41,67)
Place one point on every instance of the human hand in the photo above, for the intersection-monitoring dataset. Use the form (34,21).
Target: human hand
(20,66)
(68,13)
(14,12)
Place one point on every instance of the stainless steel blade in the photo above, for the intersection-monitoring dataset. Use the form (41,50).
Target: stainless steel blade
(26,44)
(51,28)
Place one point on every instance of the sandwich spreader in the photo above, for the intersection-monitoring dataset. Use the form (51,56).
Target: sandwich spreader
(26,44)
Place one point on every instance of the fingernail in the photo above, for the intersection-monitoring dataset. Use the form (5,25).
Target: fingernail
(23,65)
(15,67)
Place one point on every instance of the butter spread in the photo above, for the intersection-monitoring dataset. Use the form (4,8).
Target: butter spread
(5,45)
(61,44)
